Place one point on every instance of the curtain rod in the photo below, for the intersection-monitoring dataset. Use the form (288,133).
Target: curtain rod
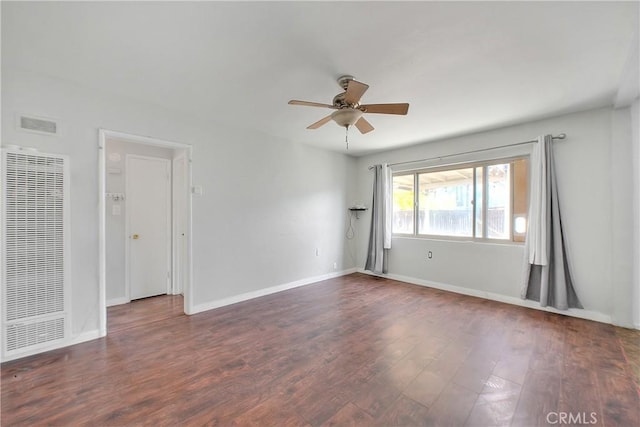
(561,136)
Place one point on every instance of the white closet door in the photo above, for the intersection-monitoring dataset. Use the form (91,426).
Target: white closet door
(149,225)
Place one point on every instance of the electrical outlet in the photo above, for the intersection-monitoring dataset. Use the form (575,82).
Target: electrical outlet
(317,251)
(335,265)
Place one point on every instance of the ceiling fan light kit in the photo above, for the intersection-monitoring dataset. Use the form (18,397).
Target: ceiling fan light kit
(346,116)
(349,111)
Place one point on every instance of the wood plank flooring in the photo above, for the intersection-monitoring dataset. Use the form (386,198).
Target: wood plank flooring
(141,313)
(355,350)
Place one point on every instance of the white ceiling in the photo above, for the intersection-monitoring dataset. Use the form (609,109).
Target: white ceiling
(463,66)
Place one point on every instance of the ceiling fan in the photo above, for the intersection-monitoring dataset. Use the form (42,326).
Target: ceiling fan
(349,111)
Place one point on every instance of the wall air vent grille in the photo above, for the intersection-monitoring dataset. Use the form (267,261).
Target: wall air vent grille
(23,335)
(34,257)
(38,125)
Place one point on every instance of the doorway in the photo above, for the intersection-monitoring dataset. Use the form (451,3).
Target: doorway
(145,220)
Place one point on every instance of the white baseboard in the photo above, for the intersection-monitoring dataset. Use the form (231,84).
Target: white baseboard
(573,312)
(117,301)
(86,336)
(268,291)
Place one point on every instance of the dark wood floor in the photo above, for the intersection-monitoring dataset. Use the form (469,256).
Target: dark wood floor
(354,350)
(140,313)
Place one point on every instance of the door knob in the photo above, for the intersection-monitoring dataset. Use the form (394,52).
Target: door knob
(135,236)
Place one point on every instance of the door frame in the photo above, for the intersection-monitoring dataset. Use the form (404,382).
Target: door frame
(178,185)
(103,135)
(170,249)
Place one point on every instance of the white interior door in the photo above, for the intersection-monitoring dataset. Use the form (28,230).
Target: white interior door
(148,201)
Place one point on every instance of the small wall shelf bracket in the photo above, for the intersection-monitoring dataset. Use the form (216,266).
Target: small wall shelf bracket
(357,210)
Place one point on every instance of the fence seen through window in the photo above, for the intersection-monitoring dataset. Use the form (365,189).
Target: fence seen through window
(477,201)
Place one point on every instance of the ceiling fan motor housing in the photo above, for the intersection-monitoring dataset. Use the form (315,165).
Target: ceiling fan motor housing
(339,101)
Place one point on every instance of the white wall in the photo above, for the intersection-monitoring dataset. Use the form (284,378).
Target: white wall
(622,190)
(115,225)
(267,203)
(586,178)
(266,208)
(635,153)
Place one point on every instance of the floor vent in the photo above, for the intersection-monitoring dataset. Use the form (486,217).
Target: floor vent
(35,265)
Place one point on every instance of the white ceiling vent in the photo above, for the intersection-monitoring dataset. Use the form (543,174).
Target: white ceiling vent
(41,125)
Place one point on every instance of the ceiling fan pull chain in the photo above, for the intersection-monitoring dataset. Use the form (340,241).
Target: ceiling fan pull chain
(346,136)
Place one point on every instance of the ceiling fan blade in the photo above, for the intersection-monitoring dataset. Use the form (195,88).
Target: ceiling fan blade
(310,104)
(363,125)
(320,122)
(355,90)
(401,109)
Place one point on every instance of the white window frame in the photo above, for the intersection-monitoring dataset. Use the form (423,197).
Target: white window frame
(464,165)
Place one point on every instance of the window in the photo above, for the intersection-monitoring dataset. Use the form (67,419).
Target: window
(403,202)
(479,201)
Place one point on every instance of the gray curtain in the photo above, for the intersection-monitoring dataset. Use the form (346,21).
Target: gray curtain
(546,277)
(380,233)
